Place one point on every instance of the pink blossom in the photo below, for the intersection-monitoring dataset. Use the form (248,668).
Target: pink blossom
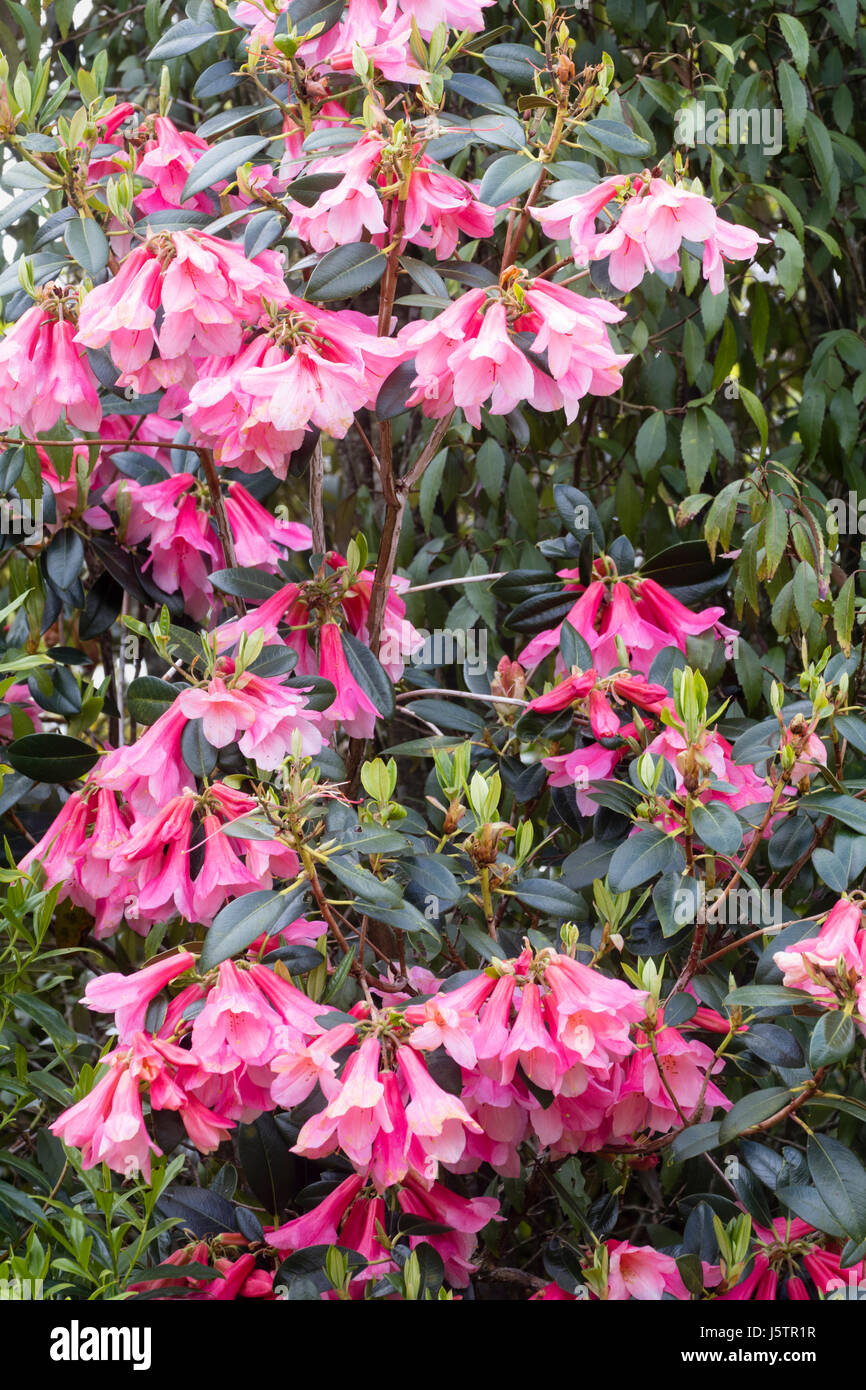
(646,1100)
(129,996)
(436,1118)
(342,214)
(465,1216)
(814,963)
(166,162)
(321,1225)
(237,1023)
(592,1011)
(300,1066)
(207,290)
(76,852)
(352,709)
(638,1271)
(44,377)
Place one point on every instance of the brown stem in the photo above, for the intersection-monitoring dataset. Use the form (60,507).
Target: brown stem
(317,499)
(396,494)
(220,517)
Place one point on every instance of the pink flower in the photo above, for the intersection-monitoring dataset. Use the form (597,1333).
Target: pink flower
(44,377)
(645,1101)
(811,756)
(129,996)
(656,217)
(256,712)
(457,14)
(638,1271)
(715,754)
(352,709)
(639,611)
(108,1124)
(592,1012)
(321,1225)
(156,856)
(578,769)
(327,366)
(814,964)
(449,1020)
(207,290)
(167,160)
(260,538)
(465,1216)
(576,217)
(354,1114)
(76,852)
(729,242)
(300,1066)
(342,214)
(489,366)
(572,330)
(236,1025)
(436,1118)
(446,207)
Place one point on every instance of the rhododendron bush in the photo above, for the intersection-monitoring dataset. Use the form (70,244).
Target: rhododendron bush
(433,753)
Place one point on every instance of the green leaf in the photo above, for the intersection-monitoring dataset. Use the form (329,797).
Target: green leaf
(365,885)
(87,244)
(430,486)
(718,827)
(797,40)
(747,665)
(843,614)
(615,135)
(833,1037)
(794,102)
(247,583)
(846,809)
(752,1110)
(806,1202)
(841,1183)
(345,272)
(506,178)
(51,757)
(222,162)
(305,15)
(767,996)
(490,467)
(64,559)
(755,407)
(790,268)
(268,1166)
(239,923)
(148,697)
(181,38)
(697,448)
(308,188)
(515,60)
(369,674)
(46,1017)
(523,501)
(650,442)
(550,896)
(695,1140)
(775,533)
(639,858)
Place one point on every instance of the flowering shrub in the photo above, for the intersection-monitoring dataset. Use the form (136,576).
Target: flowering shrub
(432,754)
